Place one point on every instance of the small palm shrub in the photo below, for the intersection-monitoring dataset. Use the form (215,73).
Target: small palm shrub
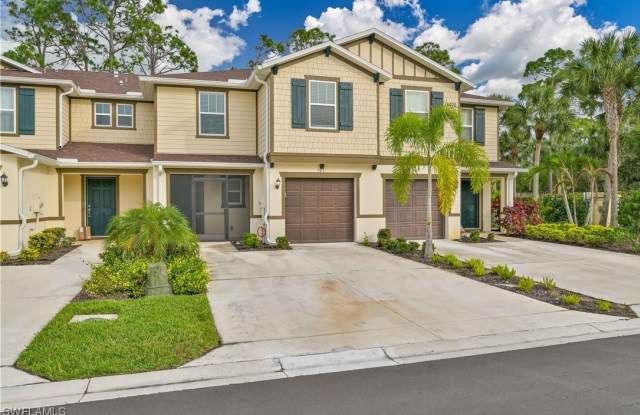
(603,306)
(477,266)
(188,275)
(504,272)
(399,246)
(526,284)
(251,240)
(474,236)
(28,255)
(365,240)
(491,236)
(154,232)
(548,283)
(120,277)
(453,261)
(413,246)
(437,259)
(282,242)
(4,257)
(384,237)
(570,299)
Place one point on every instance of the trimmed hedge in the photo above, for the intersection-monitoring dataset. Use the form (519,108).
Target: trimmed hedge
(592,235)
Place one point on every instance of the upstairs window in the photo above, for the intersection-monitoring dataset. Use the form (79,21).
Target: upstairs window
(212,113)
(322,104)
(416,102)
(102,111)
(467,123)
(8,110)
(124,115)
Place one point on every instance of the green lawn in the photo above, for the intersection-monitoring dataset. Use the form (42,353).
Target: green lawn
(150,333)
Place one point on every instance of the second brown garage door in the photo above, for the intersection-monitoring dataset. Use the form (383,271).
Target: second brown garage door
(319,210)
(410,220)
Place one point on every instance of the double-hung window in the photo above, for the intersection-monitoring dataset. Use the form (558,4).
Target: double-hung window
(322,105)
(212,107)
(124,115)
(8,110)
(102,114)
(416,102)
(467,123)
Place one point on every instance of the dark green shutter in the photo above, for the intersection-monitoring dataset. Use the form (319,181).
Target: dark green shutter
(478,126)
(27,110)
(437,99)
(396,103)
(346,106)
(298,103)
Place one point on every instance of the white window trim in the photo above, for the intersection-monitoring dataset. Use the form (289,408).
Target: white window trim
(421,92)
(118,115)
(223,113)
(239,191)
(15,112)
(464,126)
(334,105)
(95,115)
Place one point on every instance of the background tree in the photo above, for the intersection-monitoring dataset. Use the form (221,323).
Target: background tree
(301,38)
(265,49)
(433,51)
(160,50)
(418,142)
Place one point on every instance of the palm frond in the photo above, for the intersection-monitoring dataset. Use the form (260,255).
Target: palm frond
(406,131)
(447,181)
(436,121)
(404,171)
(471,156)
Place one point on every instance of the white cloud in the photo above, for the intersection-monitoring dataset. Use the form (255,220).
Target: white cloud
(240,17)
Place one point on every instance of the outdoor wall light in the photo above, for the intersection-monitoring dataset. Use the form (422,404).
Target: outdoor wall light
(374,166)
(4,180)
(321,167)
(278,181)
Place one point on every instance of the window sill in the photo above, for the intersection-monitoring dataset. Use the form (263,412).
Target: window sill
(224,137)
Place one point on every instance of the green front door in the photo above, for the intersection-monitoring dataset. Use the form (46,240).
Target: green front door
(470,206)
(101,203)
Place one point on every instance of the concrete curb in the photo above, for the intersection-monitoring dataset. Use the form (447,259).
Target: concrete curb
(193,377)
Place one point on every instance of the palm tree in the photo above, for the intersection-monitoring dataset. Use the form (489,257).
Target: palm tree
(603,77)
(591,173)
(566,166)
(418,142)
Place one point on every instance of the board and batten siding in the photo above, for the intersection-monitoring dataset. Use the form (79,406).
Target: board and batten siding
(45,125)
(176,123)
(82,122)
(360,140)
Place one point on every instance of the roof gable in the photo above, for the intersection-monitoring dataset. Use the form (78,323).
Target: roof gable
(8,63)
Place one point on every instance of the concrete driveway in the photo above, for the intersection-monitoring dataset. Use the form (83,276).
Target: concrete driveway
(319,298)
(610,275)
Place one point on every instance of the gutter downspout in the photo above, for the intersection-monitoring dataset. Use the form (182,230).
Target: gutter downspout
(159,185)
(21,214)
(267,168)
(59,143)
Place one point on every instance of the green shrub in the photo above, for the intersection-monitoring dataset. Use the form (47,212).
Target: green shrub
(118,278)
(526,284)
(453,261)
(552,208)
(437,259)
(413,246)
(570,299)
(603,306)
(4,257)
(282,242)
(384,237)
(477,265)
(251,240)
(474,236)
(433,247)
(629,207)
(365,240)
(399,246)
(188,275)
(548,283)
(154,232)
(58,232)
(491,236)
(504,272)
(28,255)
(43,242)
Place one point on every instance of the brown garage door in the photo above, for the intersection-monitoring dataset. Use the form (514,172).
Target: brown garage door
(410,220)
(319,210)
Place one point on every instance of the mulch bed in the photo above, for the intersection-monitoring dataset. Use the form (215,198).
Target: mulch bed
(587,303)
(84,296)
(264,247)
(619,249)
(44,259)
(468,240)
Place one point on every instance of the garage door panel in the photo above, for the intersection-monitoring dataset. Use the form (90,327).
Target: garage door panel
(409,220)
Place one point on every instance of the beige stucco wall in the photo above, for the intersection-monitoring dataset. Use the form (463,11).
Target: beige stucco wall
(176,123)
(82,121)
(130,192)
(361,140)
(45,134)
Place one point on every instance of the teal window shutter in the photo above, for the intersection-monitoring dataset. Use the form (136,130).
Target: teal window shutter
(396,103)
(298,103)
(479,126)
(346,106)
(27,111)
(437,99)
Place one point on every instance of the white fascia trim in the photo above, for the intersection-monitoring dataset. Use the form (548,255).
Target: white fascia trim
(209,164)
(488,102)
(335,48)
(72,163)
(501,170)
(124,97)
(27,154)
(196,82)
(38,81)
(18,65)
(417,56)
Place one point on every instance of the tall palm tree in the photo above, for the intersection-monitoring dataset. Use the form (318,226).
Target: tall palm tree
(418,142)
(539,111)
(604,77)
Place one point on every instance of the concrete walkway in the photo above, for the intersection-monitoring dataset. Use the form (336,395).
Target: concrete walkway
(610,275)
(32,295)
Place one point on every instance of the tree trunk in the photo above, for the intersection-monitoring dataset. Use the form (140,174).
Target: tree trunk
(590,219)
(604,216)
(536,163)
(612,118)
(550,183)
(428,240)
(567,208)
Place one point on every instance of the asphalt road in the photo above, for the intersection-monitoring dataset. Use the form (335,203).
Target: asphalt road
(597,377)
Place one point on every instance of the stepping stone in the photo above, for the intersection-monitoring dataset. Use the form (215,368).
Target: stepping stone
(79,318)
